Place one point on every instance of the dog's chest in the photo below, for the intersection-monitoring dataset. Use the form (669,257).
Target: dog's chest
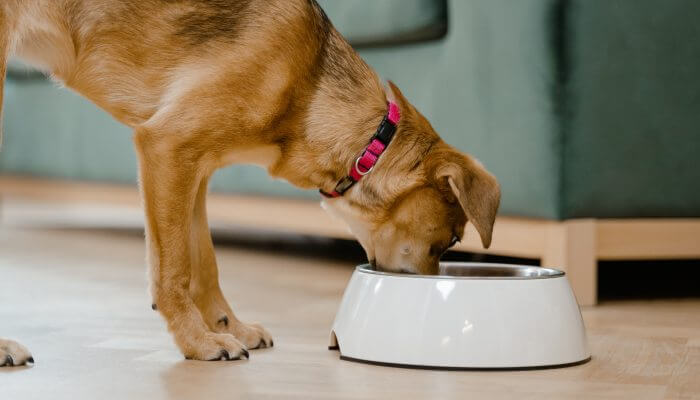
(261,155)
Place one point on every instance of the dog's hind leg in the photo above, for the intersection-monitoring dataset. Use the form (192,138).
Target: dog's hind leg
(205,289)
(170,175)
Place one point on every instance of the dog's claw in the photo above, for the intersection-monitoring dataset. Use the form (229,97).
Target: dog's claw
(154,307)
(223,355)
(264,345)
(30,360)
(8,361)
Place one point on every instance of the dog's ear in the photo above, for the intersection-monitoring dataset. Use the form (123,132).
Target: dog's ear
(475,188)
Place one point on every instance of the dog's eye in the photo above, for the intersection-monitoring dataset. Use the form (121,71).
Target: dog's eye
(454,241)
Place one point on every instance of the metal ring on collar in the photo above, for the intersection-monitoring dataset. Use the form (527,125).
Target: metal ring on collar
(357,167)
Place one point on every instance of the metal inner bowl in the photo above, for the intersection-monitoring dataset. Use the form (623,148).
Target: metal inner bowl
(467,270)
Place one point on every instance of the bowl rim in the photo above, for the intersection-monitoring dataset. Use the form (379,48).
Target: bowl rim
(548,273)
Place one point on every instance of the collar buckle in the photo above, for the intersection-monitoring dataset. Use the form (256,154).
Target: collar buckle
(370,156)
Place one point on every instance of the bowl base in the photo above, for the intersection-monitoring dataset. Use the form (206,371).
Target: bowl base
(438,368)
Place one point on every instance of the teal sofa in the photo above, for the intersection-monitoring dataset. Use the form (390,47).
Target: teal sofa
(586,108)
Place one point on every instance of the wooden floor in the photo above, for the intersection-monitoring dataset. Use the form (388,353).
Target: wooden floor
(77,299)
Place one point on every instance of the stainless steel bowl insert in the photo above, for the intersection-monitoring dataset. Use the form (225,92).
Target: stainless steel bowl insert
(468,270)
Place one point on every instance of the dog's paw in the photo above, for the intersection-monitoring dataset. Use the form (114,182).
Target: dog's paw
(14,354)
(217,347)
(254,336)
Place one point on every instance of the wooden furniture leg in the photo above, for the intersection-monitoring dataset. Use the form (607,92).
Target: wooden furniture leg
(571,246)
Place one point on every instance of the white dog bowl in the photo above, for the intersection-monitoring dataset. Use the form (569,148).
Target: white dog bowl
(470,316)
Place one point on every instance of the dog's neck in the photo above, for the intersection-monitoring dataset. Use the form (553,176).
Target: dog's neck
(347,104)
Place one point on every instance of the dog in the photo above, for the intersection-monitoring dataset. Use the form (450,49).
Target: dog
(209,83)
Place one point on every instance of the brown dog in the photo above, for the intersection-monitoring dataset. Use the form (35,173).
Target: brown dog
(208,83)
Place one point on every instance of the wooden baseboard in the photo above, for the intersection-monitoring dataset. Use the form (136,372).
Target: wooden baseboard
(517,237)
(615,239)
(648,239)
(257,212)
(573,245)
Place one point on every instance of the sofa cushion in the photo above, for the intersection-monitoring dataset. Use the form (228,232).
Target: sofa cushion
(633,134)
(372,22)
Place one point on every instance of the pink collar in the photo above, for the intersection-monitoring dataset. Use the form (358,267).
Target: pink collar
(368,159)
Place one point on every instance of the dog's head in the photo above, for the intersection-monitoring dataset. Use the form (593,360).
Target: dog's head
(416,203)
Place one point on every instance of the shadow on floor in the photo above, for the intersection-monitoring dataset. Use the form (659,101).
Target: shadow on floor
(665,279)
(618,280)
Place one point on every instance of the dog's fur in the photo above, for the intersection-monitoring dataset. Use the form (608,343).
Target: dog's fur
(208,83)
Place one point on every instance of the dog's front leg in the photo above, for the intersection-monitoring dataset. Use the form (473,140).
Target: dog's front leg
(205,289)
(170,175)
